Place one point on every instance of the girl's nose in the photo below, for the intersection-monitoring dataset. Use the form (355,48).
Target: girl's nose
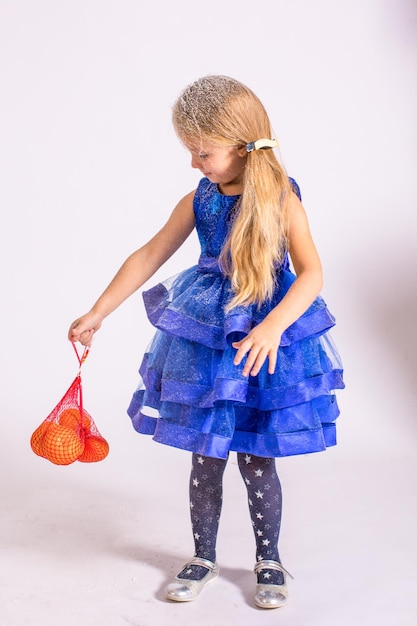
(195,162)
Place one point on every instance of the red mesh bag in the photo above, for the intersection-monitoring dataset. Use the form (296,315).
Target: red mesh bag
(69,433)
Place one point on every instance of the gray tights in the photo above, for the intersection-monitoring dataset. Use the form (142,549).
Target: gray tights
(265,505)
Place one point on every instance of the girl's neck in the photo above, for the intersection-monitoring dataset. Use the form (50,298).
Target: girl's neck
(230,189)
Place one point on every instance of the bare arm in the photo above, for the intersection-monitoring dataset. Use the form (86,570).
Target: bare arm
(307,266)
(263,340)
(137,269)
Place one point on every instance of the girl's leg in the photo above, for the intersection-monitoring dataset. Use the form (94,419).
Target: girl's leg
(206,498)
(265,506)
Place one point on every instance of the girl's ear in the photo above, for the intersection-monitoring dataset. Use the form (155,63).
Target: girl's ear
(241,150)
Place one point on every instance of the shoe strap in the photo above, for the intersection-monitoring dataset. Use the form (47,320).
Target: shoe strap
(196,560)
(261,565)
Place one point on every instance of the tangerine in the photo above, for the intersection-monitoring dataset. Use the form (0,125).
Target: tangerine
(86,421)
(36,440)
(61,445)
(72,419)
(96,449)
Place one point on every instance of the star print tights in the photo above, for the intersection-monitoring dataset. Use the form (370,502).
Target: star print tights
(265,505)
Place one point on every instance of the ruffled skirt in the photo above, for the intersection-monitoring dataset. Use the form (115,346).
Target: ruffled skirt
(193,397)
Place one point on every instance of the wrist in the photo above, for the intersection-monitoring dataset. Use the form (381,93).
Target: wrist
(99,312)
(276,322)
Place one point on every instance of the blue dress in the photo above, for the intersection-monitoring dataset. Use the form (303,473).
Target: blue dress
(193,397)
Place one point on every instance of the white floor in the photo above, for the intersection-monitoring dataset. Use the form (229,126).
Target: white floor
(94,544)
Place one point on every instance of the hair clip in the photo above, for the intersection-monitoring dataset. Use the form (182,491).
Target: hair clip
(261,144)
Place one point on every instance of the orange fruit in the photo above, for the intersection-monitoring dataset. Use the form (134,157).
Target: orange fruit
(72,419)
(87,421)
(96,449)
(61,445)
(36,441)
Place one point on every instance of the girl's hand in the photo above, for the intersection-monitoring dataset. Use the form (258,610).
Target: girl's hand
(262,342)
(84,327)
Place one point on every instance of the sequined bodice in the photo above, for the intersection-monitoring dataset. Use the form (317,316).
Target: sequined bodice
(213,213)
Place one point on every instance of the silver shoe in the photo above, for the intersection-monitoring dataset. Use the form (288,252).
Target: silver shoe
(271,596)
(186,589)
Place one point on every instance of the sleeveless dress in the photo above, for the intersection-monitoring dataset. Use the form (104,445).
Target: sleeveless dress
(192,396)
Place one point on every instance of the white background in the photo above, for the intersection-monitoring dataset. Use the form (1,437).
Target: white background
(90,168)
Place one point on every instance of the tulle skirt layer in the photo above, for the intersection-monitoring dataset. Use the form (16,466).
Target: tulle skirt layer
(193,397)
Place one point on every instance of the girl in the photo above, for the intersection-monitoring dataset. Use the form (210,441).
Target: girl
(241,360)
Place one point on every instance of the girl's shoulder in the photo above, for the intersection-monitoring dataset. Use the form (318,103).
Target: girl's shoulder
(206,190)
(205,194)
(295,187)
(205,187)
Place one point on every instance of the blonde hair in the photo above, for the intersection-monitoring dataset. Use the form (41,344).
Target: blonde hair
(221,110)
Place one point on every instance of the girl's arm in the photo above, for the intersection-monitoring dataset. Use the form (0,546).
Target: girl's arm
(263,341)
(137,269)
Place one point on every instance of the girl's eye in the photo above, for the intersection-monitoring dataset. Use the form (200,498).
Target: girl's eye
(203,156)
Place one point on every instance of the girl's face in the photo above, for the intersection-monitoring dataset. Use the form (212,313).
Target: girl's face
(223,165)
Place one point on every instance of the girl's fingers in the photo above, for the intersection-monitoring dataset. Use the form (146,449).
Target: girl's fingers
(86,337)
(83,329)
(243,348)
(255,359)
(272,356)
(258,362)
